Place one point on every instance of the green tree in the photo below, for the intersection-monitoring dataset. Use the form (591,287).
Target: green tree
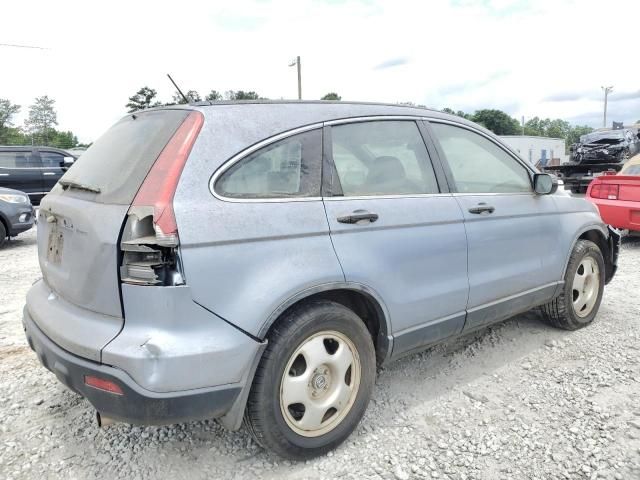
(331,96)
(242,95)
(192,95)
(575,132)
(7,111)
(64,140)
(497,121)
(213,96)
(42,119)
(144,98)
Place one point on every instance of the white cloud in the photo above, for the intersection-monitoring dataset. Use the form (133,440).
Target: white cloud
(465,54)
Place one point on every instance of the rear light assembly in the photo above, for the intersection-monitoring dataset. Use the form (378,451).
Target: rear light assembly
(605,191)
(150,238)
(102,384)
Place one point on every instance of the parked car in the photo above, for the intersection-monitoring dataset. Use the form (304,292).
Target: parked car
(16,213)
(618,196)
(256,260)
(33,170)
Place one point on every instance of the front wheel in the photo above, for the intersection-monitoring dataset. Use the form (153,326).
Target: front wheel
(579,301)
(314,381)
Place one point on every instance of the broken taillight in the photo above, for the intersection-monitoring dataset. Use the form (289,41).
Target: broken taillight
(605,191)
(150,238)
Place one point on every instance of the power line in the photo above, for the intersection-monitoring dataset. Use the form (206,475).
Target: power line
(22,46)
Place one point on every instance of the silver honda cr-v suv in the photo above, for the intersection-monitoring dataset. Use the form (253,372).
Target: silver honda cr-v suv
(256,261)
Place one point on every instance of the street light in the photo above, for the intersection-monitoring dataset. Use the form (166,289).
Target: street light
(607,91)
(296,62)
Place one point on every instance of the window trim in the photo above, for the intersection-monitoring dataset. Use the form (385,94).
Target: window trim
(238,157)
(333,189)
(445,163)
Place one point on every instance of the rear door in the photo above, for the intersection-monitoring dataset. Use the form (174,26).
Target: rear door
(20,170)
(52,168)
(509,228)
(396,231)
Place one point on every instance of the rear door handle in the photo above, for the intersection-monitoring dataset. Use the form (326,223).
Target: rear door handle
(481,208)
(357,216)
(49,173)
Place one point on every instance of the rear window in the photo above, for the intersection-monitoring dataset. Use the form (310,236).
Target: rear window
(119,160)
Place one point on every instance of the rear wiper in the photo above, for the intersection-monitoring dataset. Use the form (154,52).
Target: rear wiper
(78,186)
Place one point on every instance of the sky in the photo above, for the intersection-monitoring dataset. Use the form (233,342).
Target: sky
(546,58)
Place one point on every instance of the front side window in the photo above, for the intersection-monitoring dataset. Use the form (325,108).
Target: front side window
(287,168)
(382,158)
(478,165)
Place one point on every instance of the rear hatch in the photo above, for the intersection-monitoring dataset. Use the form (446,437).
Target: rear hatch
(80,223)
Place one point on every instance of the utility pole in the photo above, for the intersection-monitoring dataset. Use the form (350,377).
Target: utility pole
(296,62)
(523,125)
(607,91)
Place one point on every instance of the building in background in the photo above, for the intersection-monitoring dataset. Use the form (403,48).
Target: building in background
(538,151)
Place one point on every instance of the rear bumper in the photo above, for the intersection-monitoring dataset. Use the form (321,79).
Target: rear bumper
(136,404)
(621,214)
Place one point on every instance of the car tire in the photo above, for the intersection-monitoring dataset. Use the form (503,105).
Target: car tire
(3,234)
(579,301)
(314,381)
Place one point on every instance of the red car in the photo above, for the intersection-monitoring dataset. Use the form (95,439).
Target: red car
(618,196)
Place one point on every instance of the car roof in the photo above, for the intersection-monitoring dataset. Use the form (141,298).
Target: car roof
(315,111)
(29,148)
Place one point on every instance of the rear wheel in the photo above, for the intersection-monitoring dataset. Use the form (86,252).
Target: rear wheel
(314,381)
(578,304)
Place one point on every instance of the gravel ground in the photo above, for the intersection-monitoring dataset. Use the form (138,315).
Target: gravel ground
(517,401)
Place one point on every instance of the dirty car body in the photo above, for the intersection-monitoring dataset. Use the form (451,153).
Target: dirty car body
(166,268)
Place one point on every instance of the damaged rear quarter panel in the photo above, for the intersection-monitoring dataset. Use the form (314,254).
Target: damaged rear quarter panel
(169,343)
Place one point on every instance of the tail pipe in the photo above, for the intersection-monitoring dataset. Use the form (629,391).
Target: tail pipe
(104,421)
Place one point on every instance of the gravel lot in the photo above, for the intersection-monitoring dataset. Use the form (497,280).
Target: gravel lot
(517,401)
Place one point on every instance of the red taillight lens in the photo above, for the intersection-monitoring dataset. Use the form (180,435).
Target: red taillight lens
(102,384)
(159,186)
(606,191)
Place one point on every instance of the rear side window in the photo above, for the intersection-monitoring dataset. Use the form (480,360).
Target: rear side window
(478,165)
(288,168)
(119,160)
(17,160)
(51,159)
(382,158)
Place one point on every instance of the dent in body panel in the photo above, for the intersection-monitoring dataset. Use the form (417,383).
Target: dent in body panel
(169,343)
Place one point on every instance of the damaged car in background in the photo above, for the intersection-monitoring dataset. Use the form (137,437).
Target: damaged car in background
(611,146)
(596,153)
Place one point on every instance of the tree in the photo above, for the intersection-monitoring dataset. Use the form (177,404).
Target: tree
(242,95)
(332,96)
(192,95)
(42,119)
(497,121)
(574,134)
(213,96)
(7,111)
(142,99)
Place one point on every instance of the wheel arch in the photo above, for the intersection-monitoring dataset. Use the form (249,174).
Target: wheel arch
(602,237)
(364,301)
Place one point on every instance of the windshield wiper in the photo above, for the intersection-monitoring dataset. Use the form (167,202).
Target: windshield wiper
(78,186)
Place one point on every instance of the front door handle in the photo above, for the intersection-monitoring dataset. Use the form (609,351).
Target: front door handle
(357,216)
(49,173)
(482,208)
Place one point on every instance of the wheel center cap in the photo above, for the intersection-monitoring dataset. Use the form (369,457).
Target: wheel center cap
(319,382)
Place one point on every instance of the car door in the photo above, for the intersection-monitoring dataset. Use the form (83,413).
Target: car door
(20,170)
(52,168)
(508,226)
(394,230)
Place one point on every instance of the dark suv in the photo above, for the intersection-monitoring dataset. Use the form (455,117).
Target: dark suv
(33,170)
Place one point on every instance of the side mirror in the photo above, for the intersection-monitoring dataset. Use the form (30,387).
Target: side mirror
(67,162)
(544,184)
